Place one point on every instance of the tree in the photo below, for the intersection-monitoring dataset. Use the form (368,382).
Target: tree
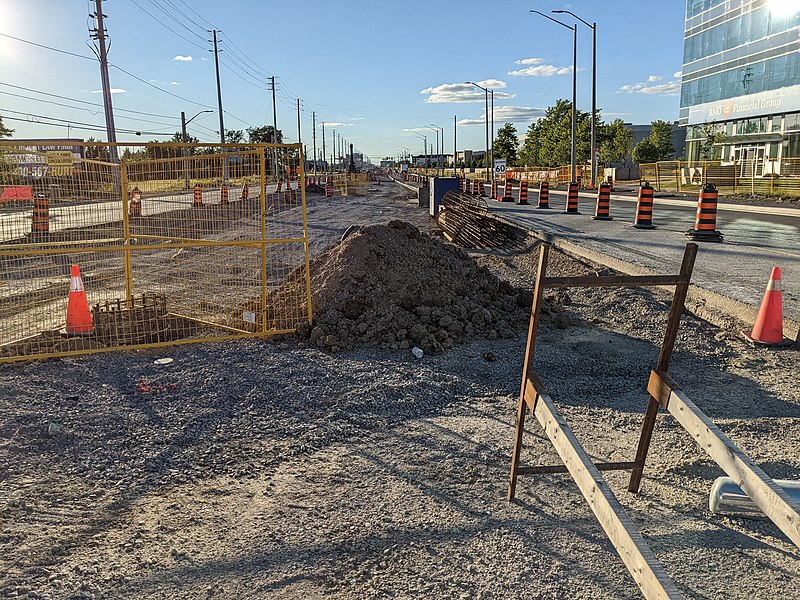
(645,152)
(714,135)
(506,144)
(234,136)
(661,138)
(529,153)
(614,142)
(555,139)
(264,135)
(95,152)
(5,132)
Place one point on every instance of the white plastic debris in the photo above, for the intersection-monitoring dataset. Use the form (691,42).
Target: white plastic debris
(162,361)
(417,352)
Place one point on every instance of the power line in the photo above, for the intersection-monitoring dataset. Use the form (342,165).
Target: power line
(160,22)
(175,19)
(83,56)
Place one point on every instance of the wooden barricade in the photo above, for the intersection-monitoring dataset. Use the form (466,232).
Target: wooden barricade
(644,567)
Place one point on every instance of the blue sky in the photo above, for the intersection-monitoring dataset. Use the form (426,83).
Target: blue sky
(378,72)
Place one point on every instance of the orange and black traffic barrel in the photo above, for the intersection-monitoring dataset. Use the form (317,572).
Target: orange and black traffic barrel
(223,198)
(705,224)
(198,196)
(644,208)
(494,190)
(602,211)
(507,193)
(523,192)
(475,190)
(481,189)
(544,195)
(610,180)
(40,225)
(572,199)
(135,203)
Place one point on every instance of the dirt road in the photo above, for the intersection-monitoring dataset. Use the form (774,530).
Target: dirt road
(279,470)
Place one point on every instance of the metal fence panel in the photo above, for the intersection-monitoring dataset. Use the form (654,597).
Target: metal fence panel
(178,243)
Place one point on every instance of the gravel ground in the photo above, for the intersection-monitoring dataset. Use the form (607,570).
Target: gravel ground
(280,470)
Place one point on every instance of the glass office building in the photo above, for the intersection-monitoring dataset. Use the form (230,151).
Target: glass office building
(741,73)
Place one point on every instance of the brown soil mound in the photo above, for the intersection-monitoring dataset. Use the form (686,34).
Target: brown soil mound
(390,286)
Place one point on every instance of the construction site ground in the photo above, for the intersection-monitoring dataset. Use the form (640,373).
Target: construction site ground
(281,469)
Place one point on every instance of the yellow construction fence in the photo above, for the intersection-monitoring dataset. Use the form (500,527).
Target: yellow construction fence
(748,177)
(174,244)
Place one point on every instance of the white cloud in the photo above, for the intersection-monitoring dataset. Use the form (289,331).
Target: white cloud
(464,92)
(338,124)
(677,74)
(183,58)
(508,114)
(113,91)
(529,61)
(175,83)
(541,71)
(670,88)
(356,118)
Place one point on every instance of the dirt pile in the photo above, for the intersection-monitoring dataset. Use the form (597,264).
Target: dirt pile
(390,286)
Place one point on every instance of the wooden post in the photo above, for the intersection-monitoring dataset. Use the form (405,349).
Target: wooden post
(664,358)
(530,346)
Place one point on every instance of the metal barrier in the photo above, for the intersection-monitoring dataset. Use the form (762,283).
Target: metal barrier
(751,176)
(177,265)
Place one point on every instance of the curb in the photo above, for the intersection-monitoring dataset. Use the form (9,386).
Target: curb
(708,305)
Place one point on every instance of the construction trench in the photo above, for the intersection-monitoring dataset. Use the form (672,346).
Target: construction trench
(334,463)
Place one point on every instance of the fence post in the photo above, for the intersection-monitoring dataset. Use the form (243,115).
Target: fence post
(678,176)
(126,227)
(262,155)
(658,177)
(772,175)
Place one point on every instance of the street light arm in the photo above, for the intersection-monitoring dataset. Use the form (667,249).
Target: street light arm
(590,26)
(197,115)
(479,86)
(551,18)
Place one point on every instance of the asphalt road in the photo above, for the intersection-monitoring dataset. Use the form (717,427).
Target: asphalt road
(755,240)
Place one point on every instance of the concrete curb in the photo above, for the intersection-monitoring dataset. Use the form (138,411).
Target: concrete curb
(708,305)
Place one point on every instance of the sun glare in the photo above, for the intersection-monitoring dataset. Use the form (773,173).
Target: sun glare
(783,8)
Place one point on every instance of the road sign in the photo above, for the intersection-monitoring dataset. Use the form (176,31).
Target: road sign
(500,166)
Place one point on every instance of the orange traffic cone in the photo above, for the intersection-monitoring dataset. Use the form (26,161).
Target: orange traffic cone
(768,329)
(79,318)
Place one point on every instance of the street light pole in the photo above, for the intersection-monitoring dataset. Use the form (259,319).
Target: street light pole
(185,140)
(593,26)
(491,162)
(438,155)
(441,153)
(486,121)
(574,30)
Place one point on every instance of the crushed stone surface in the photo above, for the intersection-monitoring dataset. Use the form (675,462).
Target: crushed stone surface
(257,469)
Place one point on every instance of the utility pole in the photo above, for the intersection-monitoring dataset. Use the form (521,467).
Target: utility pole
(274,112)
(314,137)
(219,90)
(274,128)
(333,150)
(219,105)
(299,139)
(324,160)
(99,34)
